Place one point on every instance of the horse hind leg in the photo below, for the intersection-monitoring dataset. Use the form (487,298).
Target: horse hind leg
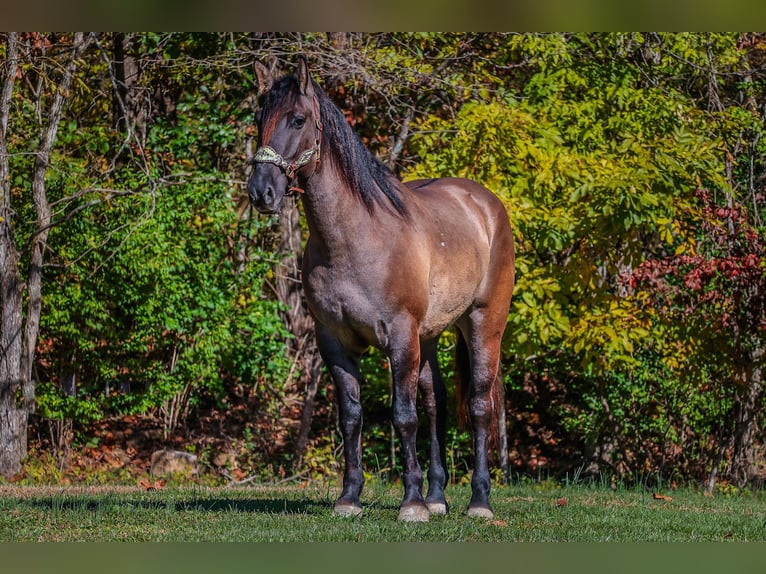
(483,342)
(434,397)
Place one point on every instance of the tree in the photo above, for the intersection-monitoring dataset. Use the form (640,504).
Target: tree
(156,302)
(22,248)
(705,297)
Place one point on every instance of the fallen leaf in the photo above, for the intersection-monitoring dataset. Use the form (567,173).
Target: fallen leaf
(657,496)
(562,502)
(156,485)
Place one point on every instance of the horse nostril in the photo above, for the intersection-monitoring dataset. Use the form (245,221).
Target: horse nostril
(263,190)
(252,191)
(264,195)
(268,194)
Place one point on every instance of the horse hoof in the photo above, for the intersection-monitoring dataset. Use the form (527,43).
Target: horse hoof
(480,512)
(347,509)
(438,508)
(414,513)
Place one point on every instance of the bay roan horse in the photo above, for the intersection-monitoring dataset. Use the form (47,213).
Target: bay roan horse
(389,265)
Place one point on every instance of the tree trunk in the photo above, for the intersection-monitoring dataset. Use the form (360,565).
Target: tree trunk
(12,420)
(502,445)
(746,403)
(19,329)
(312,367)
(128,107)
(13,439)
(297,320)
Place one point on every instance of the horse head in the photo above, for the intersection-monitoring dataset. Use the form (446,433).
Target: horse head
(289,137)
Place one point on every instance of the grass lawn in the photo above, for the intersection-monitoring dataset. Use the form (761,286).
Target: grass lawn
(523,513)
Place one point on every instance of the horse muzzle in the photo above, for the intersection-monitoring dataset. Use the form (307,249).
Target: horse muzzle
(265,194)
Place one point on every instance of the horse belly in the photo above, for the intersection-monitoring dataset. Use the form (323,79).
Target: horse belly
(452,291)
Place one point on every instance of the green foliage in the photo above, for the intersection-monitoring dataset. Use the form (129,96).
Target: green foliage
(594,168)
(168,305)
(598,159)
(157,295)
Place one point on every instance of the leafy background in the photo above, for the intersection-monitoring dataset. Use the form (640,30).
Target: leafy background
(632,168)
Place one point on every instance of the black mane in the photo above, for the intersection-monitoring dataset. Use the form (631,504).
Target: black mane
(361,171)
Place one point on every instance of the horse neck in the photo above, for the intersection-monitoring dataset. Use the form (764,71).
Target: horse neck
(337,217)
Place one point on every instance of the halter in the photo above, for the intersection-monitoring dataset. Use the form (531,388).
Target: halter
(267,154)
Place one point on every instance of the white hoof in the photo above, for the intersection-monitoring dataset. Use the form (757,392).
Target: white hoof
(479,512)
(438,508)
(346,509)
(414,514)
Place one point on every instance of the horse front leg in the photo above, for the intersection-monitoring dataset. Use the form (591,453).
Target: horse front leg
(405,367)
(344,369)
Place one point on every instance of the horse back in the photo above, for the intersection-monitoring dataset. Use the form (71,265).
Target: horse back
(471,247)
(464,211)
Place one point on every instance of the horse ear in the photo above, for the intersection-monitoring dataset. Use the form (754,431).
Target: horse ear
(265,79)
(304,79)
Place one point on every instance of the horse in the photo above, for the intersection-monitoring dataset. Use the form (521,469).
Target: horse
(389,265)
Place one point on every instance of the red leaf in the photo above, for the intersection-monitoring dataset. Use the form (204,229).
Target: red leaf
(156,485)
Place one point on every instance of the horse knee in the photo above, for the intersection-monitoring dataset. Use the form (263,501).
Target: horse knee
(481,408)
(351,427)
(405,421)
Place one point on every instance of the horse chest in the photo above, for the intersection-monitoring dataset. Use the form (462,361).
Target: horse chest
(338,299)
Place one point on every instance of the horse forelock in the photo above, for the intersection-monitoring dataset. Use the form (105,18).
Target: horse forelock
(282,95)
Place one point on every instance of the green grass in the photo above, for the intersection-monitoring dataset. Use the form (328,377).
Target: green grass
(524,513)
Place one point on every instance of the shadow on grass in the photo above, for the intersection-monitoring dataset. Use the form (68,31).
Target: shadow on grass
(258,505)
(63,503)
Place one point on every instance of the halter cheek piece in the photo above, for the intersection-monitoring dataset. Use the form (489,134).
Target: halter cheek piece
(266,154)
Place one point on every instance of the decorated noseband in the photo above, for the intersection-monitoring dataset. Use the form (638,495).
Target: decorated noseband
(266,154)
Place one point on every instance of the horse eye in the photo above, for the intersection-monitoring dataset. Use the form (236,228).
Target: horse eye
(298,122)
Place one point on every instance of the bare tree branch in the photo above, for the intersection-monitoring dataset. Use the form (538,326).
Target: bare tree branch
(401,139)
